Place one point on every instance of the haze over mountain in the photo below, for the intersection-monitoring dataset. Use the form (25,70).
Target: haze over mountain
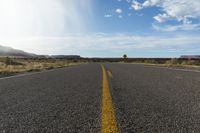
(8,51)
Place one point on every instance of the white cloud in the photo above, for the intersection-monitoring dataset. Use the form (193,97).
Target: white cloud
(162,17)
(151,3)
(107,16)
(183,11)
(136,5)
(19,18)
(119,11)
(108,44)
(170,28)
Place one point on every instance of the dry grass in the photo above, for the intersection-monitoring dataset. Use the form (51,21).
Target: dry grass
(190,64)
(29,65)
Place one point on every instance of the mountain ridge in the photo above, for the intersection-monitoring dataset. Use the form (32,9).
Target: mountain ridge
(11,52)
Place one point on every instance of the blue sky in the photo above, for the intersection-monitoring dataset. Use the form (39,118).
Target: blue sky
(102,28)
(131,21)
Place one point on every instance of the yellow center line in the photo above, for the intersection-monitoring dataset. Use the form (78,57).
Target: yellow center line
(108,120)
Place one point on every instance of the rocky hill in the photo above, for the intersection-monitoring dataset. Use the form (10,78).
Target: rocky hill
(8,51)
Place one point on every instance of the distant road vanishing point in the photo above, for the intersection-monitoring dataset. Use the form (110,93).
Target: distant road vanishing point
(107,97)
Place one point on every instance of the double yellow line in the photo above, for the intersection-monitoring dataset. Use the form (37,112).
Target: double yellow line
(108,120)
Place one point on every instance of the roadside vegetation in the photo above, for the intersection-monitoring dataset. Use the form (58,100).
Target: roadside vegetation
(10,66)
(174,62)
(166,62)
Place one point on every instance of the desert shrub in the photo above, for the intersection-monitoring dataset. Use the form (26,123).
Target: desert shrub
(191,62)
(173,61)
(50,67)
(150,61)
(4,74)
(9,61)
(197,62)
(34,70)
(184,63)
(2,59)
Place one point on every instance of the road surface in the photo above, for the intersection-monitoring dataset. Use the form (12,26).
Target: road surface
(94,98)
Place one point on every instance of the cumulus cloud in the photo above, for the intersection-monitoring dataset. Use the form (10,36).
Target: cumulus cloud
(109,44)
(136,5)
(43,17)
(119,11)
(162,17)
(183,11)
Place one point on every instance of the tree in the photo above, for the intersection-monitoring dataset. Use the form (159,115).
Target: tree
(124,56)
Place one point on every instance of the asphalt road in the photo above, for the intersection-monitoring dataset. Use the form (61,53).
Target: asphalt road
(63,100)
(153,99)
(145,99)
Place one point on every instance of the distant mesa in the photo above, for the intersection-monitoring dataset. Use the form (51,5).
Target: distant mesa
(66,56)
(190,57)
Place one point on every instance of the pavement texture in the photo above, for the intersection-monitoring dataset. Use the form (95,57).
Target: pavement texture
(63,100)
(156,100)
(146,99)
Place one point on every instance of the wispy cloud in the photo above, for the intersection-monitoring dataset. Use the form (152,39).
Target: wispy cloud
(182,27)
(112,44)
(107,15)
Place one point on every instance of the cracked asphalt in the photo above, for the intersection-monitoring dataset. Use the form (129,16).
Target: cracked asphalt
(145,99)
